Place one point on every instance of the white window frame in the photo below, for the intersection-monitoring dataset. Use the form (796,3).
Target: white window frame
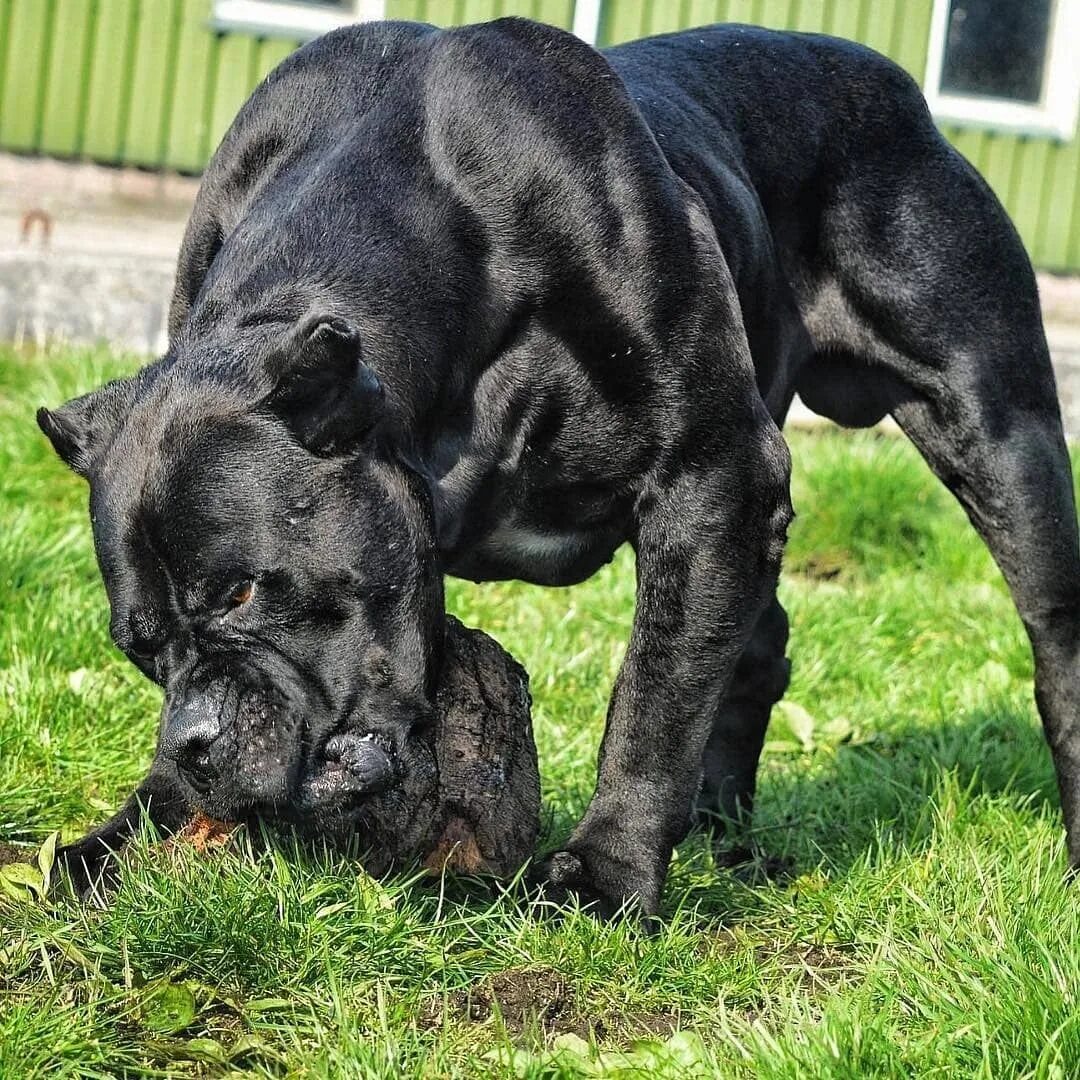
(1054,115)
(303,21)
(587,20)
(295,21)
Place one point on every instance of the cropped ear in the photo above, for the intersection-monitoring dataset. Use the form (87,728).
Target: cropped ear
(329,398)
(85,423)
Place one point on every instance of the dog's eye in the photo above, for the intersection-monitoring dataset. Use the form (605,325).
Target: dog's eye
(241,594)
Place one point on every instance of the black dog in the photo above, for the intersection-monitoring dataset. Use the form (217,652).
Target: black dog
(491,303)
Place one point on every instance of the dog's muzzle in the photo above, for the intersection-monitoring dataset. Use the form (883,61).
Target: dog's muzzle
(240,752)
(236,750)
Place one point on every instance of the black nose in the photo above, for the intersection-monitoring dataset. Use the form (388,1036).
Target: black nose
(193,761)
(190,734)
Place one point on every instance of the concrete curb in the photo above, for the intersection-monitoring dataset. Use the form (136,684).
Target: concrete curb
(85,299)
(121,299)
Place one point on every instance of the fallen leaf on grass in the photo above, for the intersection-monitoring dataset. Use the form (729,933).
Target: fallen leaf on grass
(46,858)
(252,1045)
(794,730)
(26,883)
(167,1008)
(268,1004)
(681,1056)
(995,675)
(204,1051)
(22,882)
(799,725)
(207,1051)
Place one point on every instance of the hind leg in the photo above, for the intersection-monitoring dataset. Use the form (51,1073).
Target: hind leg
(1012,475)
(939,297)
(730,761)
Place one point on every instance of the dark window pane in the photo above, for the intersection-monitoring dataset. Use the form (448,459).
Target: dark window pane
(996,48)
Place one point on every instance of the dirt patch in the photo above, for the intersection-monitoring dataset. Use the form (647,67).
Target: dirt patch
(817,968)
(639,1026)
(821,966)
(537,997)
(9,853)
(539,1001)
(204,834)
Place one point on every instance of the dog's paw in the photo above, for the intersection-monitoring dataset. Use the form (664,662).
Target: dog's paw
(601,885)
(752,866)
(90,868)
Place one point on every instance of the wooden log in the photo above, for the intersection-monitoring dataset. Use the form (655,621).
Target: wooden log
(488,808)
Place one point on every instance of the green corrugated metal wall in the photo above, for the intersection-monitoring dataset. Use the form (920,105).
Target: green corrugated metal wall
(150,83)
(137,82)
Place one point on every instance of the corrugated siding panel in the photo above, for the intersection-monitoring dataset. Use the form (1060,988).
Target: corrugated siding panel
(810,15)
(108,86)
(271,53)
(1073,257)
(188,129)
(135,82)
(911,32)
(740,11)
(27,47)
(65,83)
(5,39)
(232,83)
(1060,218)
(149,82)
(623,20)
(881,24)
(152,82)
(1032,159)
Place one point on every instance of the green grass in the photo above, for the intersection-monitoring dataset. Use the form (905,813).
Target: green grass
(926,929)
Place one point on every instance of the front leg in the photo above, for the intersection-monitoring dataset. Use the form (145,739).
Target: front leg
(160,797)
(708,543)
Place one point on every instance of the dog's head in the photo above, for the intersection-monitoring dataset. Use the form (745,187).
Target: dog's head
(271,564)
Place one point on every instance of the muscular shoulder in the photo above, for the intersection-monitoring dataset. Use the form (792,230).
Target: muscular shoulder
(522,79)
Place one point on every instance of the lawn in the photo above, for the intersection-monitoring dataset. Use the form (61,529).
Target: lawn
(924,928)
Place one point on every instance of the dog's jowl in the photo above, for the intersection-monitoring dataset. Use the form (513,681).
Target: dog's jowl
(491,303)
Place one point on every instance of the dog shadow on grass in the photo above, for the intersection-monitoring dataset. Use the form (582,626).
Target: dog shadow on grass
(827,810)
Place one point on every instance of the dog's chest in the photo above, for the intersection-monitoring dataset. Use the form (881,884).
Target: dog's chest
(554,538)
(524,544)
(537,483)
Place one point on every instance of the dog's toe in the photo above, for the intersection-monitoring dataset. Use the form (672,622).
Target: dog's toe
(91,870)
(568,877)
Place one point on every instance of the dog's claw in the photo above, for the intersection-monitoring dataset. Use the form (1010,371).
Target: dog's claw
(90,867)
(566,876)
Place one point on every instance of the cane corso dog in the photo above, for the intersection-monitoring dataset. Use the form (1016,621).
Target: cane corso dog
(489,302)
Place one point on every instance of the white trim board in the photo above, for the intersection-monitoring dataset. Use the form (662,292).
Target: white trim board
(290,20)
(587,20)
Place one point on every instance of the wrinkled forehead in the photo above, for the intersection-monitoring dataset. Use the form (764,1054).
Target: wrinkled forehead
(226,483)
(193,485)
